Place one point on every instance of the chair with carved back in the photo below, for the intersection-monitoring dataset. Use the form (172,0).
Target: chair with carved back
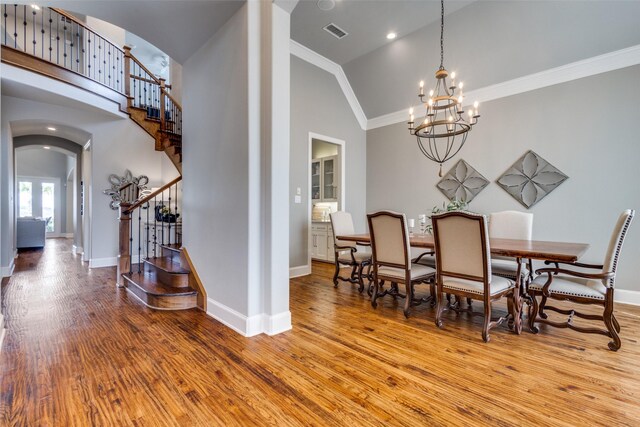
(463,259)
(582,287)
(511,225)
(346,253)
(391,260)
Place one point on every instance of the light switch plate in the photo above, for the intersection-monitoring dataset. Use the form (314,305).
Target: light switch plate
(298,199)
(298,191)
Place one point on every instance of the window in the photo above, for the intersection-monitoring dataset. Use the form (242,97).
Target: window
(48,204)
(25,200)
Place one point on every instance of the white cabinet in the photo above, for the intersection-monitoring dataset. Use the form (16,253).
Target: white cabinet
(321,243)
(325,179)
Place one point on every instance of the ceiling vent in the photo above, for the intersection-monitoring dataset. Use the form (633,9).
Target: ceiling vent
(335,31)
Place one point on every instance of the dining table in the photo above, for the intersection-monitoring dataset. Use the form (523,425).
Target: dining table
(561,252)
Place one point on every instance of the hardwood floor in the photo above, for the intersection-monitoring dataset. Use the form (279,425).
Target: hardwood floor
(81,352)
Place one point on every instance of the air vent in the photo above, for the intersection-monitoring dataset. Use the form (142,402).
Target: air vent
(335,31)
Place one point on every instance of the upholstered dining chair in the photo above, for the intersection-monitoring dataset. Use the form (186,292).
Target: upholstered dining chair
(463,259)
(391,259)
(346,253)
(511,225)
(582,287)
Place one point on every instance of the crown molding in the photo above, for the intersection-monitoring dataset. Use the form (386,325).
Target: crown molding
(329,66)
(576,70)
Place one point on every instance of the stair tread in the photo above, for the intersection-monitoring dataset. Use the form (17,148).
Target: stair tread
(166,264)
(150,285)
(174,247)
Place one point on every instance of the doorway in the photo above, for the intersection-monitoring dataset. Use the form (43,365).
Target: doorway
(40,197)
(326,194)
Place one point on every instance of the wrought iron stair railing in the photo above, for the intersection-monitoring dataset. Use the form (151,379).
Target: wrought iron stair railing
(147,225)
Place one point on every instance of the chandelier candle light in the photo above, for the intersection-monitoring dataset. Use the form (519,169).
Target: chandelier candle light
(444,129)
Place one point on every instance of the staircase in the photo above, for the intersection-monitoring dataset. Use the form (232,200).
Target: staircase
(55,43)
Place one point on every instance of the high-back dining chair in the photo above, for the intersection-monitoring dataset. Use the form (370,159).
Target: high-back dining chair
(391,259)
(582,287)
(511,225)
(346,253)
(463,258)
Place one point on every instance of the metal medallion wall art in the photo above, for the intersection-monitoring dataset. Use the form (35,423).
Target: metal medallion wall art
(126,189)
(462,182)
(530,179)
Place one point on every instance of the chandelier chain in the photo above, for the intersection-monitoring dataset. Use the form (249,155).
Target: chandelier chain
(441,34)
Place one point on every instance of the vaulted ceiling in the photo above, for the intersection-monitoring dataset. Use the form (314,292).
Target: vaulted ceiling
(486,42)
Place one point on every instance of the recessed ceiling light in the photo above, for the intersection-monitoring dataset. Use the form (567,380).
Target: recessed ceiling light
(326,4)
(35,6)
(391,36)
(47,147)
(51,128)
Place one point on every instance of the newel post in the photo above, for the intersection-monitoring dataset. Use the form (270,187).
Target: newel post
(127,75)
(124,247)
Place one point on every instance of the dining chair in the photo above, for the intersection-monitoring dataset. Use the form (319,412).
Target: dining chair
(391,262)
(463,259)
(582,287)
(346,253)
(511,225)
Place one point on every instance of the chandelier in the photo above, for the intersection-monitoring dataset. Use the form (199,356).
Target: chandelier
(444,129)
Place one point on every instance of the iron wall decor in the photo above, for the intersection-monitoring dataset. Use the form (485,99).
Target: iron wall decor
(530,179)
(121,193)
(463,182)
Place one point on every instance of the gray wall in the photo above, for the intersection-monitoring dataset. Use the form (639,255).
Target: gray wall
(587,128)
(318,105)
(215,172)
(489,42)
(41,163)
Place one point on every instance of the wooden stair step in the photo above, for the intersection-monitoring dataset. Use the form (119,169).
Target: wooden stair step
(172,247)
(166,264)
(155,294)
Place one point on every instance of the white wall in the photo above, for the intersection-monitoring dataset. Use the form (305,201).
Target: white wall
(233,220)
(318,105)
(587,128)
(117,144)
(7,230)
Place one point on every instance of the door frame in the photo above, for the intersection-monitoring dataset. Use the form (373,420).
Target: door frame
(342,154)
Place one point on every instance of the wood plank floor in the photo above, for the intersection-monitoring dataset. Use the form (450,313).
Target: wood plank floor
(79,352)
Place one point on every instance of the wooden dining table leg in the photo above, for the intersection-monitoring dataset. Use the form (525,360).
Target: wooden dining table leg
(517,300)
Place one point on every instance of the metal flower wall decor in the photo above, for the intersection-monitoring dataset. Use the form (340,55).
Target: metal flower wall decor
(530,179)
(120,192)
(462,182)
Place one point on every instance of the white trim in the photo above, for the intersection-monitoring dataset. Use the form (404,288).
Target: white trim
(249,326)
(627,297)
(576,70)
(343,185)
(66,235)
(77,250)
(108,262)
(8,270)
(299,271)
(277,323)
(329,66)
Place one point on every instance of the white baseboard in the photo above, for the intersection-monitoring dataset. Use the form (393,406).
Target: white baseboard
(627,297)
(108,262)
(7,271)
(66,235)
(249,326)
(77,250)
(302,270)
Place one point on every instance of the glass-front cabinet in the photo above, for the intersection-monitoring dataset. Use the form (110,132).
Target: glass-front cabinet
(315,180)
(325,179)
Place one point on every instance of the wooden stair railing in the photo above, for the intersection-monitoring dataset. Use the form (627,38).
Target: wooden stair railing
(55,43)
